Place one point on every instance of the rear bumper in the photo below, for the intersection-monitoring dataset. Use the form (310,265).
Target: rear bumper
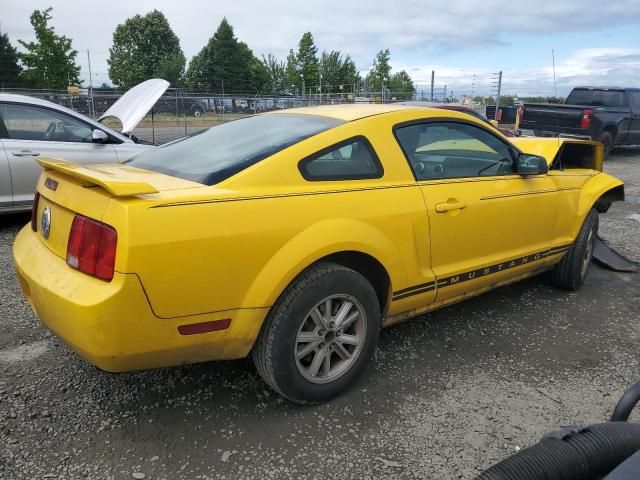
(111,324)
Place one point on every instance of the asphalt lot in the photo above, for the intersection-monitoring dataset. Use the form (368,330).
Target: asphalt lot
(449,394)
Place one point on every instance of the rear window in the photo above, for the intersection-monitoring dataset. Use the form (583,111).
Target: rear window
(215,154)
(596,98)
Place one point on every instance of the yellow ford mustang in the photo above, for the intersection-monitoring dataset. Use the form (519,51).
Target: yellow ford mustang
(296,235)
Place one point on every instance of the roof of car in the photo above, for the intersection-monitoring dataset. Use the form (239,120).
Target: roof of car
(12,97)
(347,112)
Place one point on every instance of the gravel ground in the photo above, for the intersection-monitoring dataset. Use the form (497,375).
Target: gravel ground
(449,394)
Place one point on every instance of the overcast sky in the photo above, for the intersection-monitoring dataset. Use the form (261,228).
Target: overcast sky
(464,41)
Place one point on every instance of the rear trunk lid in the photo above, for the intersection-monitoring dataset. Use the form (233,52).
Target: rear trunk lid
(66,189)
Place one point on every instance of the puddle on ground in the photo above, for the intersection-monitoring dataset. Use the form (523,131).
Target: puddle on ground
(24,353)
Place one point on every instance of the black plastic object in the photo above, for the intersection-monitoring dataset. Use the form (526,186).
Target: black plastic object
(608,257)
(587,453)
(626,403)
(627,470)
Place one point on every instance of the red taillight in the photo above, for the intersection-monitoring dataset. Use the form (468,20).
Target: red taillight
(92,247)
(520,113)
(585,120)
(34,212)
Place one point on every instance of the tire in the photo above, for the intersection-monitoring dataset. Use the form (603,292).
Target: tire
(296,367)
(571,272)
(607,142)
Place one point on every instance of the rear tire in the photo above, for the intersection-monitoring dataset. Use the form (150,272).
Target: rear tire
(320,335)
(607,143)
(571,272)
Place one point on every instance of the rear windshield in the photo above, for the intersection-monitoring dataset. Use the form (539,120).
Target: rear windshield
(219,152)
(596,98)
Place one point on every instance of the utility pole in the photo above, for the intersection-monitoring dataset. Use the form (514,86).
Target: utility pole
(92,108)
(445,92)
(499,88)
(433,75)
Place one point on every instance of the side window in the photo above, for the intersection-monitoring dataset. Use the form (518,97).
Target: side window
(352,159)
(23,122)
(438,150)
(635,100)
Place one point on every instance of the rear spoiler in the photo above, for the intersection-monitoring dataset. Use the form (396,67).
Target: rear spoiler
(115,185)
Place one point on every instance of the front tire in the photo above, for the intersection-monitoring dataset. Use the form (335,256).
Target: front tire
(320,335)
(606,139)
(571,272)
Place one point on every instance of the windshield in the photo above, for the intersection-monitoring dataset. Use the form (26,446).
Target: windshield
(216,154)
(596,98)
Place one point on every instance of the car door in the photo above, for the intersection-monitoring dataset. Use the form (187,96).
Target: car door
(487,223)
(35,131)
(6,193)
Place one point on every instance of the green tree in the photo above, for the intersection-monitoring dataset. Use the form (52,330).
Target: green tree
(350,75)
(339,74)
(293,78)
(401,86)
(380,72)
(9,68)
(307,61)
(276,71)
(226,64)
(145,47)
(50,61)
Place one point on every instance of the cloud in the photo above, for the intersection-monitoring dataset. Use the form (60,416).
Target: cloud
(595,66)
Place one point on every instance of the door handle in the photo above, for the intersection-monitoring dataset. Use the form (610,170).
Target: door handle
(25,153)
(448,206)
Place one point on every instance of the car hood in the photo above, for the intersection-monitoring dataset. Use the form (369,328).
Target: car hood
(136,103)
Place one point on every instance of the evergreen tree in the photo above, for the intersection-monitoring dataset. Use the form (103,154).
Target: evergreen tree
(226,64)
(50,61)
(307,61)
(145,47)
(9,68)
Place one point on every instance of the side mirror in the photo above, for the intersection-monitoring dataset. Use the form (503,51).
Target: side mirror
(532,164)
(98,136)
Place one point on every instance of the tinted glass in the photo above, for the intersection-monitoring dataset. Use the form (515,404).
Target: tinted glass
(215,154)
(23,122)
(350,160)
(596,98)
(635,101)
(453,150)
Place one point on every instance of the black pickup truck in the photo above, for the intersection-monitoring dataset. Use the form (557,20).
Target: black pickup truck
(608,114)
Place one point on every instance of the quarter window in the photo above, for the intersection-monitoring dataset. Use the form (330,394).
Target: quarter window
(438,150)
(24,122)
(352,159)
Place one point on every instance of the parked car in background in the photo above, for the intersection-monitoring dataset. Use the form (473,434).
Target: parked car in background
(609,115)
(295,235)
(459,108)
(31,128)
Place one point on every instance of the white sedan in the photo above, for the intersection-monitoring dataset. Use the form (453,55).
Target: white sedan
(31,128)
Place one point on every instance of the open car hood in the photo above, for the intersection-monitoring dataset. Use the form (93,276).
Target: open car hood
(136,103)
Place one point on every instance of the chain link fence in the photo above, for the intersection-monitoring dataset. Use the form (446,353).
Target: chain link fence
(179,112)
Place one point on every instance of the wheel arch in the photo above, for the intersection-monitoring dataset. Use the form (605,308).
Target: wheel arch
(600,190)
(612,129)
(362,248)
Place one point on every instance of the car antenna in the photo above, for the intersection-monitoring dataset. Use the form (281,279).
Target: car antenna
(555,98)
